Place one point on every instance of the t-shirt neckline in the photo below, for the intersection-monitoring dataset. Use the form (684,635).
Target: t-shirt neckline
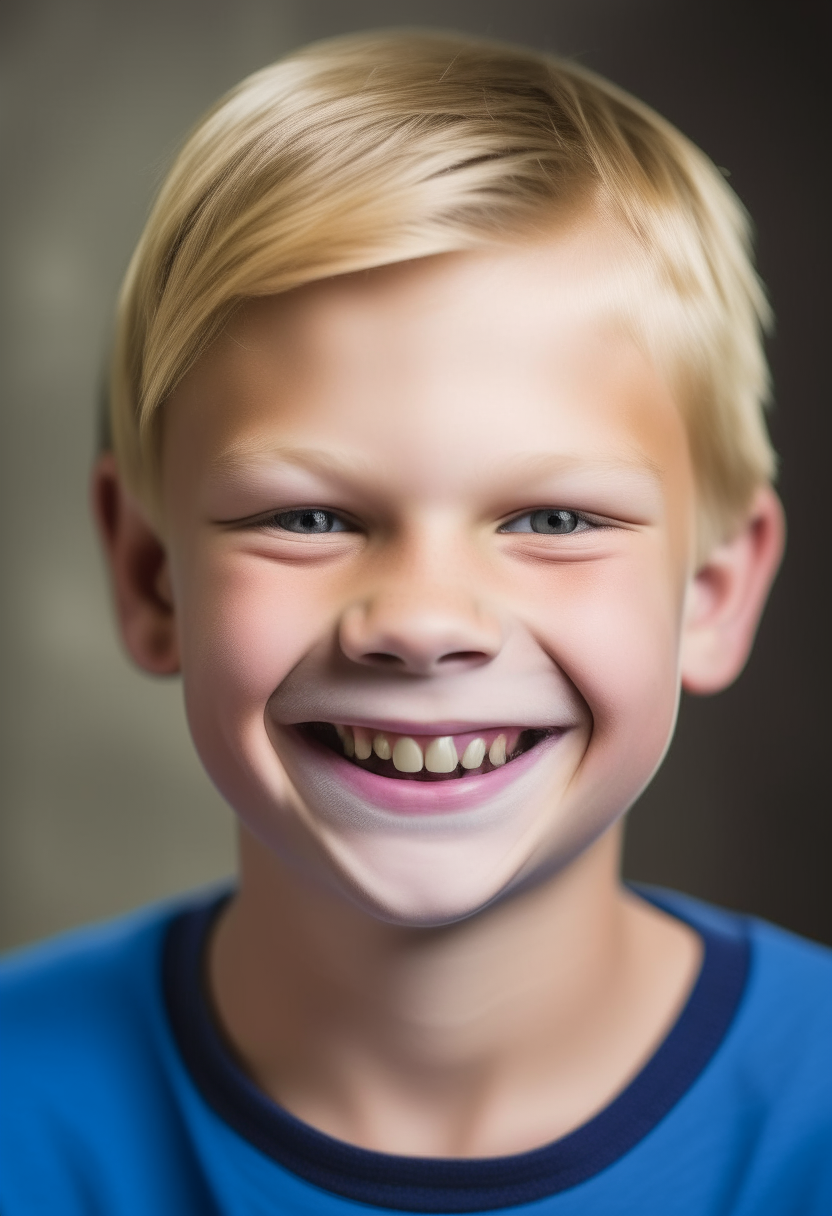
(419,1184)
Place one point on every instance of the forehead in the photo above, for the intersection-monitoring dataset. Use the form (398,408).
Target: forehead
(439,371)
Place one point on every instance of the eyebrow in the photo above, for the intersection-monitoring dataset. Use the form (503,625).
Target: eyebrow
(241,456)
(533,465)
(544,477)
(541,464)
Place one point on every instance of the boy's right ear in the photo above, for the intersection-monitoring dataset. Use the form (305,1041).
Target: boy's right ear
(139,569)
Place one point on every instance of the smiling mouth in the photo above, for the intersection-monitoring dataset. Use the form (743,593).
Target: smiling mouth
(426,757)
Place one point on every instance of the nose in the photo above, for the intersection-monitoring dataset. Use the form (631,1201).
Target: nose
(419,623)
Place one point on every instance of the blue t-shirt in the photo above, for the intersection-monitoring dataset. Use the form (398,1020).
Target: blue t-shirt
(118,1096)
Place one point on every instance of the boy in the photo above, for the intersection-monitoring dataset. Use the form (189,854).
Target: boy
(438,465)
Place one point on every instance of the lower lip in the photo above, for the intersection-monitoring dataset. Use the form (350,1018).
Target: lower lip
(424,797)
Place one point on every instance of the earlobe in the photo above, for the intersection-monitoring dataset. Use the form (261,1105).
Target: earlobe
(139,570)
(727,596)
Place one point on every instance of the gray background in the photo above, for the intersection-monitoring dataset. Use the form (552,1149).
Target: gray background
(103,803)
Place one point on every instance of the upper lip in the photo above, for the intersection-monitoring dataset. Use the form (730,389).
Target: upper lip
(402,726)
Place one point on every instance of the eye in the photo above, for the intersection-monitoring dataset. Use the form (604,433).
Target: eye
(312,521)
(550,522)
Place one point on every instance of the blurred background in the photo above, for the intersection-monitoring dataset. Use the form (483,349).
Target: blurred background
(104,805)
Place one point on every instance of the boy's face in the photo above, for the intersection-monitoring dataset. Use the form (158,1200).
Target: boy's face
(445,498)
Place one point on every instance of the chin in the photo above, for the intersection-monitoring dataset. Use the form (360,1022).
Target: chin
(423,901)
(430,874)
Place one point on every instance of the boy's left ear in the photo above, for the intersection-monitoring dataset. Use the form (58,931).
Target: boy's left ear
(727,596)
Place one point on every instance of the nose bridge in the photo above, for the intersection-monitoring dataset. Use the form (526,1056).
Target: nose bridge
(420,610)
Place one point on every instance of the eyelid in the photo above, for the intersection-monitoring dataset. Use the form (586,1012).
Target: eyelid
(348,524)
(586,517)
(265,521)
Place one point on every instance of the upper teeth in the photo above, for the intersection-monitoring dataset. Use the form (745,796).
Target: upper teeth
(440,755)
(474,754)
(363,744)
(497,750)
(407,755)
(381,747)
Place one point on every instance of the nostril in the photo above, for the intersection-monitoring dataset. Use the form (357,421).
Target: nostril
(462,656)
(380,656)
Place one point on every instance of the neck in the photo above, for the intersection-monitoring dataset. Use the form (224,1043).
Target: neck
(480,1038)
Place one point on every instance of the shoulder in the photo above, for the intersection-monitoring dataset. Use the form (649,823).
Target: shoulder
(81,1010)
(760,1111)
(90,973)
(777,1048)
(88,1074)
(788,988)
(794,972)
(86,994)
(782,958)
(786,1017)
(780,1026)
(771,1080)
(771,944)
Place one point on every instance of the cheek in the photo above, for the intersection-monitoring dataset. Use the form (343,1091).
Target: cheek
(245,625)
(614,631)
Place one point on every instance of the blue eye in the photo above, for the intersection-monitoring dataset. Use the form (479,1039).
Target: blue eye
(549,522)
(310,522)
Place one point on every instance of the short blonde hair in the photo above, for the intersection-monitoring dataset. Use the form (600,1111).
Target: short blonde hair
(381,147)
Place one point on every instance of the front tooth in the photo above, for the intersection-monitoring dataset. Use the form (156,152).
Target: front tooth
(347,741)
(407,755)
(474,754)
(497,751)
(363,746)
(440,756)
(381,747)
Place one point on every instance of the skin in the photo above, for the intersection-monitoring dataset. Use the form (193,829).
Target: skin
(471,982)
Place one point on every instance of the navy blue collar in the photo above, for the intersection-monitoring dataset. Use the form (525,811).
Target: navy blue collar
(419,1184)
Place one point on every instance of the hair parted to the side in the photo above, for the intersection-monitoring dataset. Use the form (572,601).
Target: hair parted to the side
(381,147)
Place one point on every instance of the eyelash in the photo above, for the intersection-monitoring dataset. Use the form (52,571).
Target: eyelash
(550,513)
(273,521)
(276,521)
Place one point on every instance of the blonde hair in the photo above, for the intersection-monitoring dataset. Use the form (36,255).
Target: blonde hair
(380,147)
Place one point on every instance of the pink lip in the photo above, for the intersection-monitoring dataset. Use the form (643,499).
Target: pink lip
(400,726)
(423,797)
